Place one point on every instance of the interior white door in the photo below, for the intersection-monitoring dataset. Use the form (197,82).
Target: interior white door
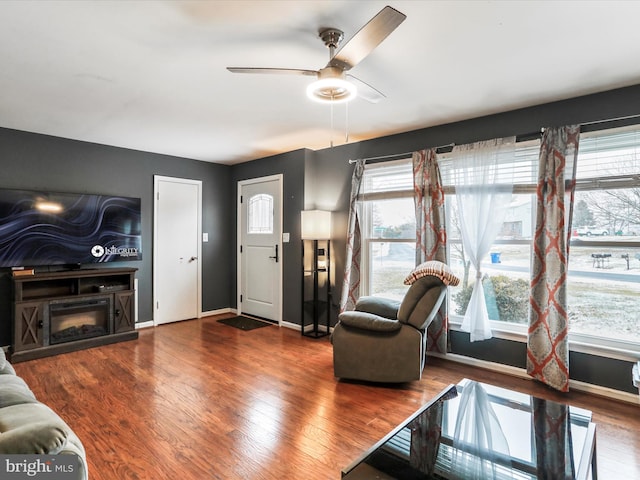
(260,258)
(177,233)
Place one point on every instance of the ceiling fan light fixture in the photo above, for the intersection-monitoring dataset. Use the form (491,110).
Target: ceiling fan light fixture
(332,90)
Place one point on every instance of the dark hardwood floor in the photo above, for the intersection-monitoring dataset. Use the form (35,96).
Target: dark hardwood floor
(202,400)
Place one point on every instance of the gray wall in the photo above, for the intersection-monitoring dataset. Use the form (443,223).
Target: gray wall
(33,161)
(319,179)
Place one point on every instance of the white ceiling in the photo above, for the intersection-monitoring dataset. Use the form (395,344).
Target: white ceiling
(151,76)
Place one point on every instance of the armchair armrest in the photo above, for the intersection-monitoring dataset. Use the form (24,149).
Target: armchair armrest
(369,321)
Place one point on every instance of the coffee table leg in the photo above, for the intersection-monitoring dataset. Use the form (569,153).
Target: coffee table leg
(594,461)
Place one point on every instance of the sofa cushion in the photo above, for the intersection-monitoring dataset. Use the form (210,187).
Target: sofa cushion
(14,391)
(31,428)
(369,321)
(436,269)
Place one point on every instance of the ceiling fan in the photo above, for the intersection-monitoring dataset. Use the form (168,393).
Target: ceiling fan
(332,85)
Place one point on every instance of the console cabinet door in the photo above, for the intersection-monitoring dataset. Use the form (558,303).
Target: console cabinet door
(29,321)
(123,315)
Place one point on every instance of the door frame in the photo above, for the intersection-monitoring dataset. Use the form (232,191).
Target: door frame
(156,258)
(280,178)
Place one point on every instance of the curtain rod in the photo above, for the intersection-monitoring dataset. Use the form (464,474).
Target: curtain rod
(528,136)
(382,157)
(609,120)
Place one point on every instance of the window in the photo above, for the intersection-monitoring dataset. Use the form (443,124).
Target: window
(604,260)
(388,228)
(260,214)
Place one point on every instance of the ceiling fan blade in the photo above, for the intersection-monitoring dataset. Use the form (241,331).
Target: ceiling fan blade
(366,91)
(367,38)
(276,71)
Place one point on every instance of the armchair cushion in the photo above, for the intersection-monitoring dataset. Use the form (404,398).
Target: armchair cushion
(383,307)
(369,321)
(421,302)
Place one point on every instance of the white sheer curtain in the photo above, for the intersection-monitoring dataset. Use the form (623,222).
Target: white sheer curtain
(483,179)
(478,439)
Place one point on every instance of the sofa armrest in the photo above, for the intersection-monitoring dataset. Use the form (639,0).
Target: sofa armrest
(32,428)
(369,321)
(382,307)
(5,366)
(74,447)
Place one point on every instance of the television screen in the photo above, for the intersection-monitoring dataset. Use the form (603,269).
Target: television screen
(45,228)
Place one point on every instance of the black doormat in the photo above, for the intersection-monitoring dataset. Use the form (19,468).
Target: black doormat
(244,323)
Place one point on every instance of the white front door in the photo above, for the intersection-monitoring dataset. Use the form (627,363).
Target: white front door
(260,249)
(176,259)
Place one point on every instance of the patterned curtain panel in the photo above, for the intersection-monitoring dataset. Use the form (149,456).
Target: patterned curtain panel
(547,342)
(426,435)
(431,235)
(554,445)
(351,282)
(426,432)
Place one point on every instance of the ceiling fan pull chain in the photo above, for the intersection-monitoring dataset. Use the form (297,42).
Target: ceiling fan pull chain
(331,134)
(346,123)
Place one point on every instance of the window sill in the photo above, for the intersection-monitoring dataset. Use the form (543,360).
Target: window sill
(616,349)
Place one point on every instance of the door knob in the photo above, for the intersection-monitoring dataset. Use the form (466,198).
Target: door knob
(193,258)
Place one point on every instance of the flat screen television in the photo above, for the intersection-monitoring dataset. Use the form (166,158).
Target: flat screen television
(48,228)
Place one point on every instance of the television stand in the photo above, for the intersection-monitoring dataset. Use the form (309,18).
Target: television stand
(68,310)
(72,267)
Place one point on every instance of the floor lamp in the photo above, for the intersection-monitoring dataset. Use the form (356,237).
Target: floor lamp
(316,270)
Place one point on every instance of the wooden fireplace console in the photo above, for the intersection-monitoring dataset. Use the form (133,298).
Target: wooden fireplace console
(36,296)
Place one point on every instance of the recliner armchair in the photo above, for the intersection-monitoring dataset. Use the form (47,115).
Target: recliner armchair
(384,340)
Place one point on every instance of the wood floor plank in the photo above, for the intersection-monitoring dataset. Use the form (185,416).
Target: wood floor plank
(202,400)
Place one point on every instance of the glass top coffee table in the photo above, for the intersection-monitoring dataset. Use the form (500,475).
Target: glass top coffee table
(479,431)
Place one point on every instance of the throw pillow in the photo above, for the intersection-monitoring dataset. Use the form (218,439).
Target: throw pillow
(435,268)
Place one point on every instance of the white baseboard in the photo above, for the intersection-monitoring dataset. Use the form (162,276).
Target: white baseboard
(309,327)
(220,311)
(293,326)
(284,324)
(522,373)
(151,323)
(144,324)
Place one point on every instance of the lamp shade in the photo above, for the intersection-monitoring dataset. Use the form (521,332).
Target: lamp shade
(316,225)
